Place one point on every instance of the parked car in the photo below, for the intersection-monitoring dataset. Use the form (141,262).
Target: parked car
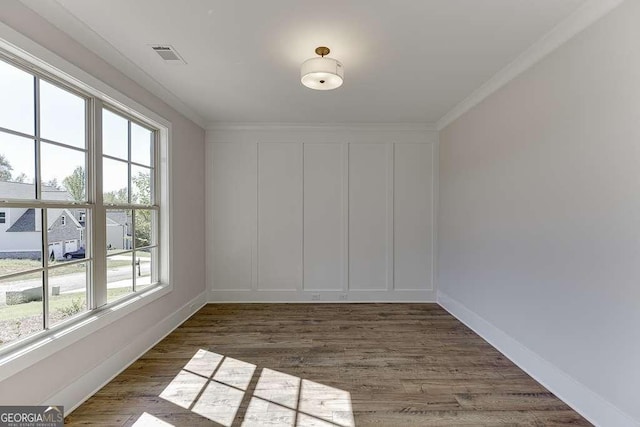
(80,253)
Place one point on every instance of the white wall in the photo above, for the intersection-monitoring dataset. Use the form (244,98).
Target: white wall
(105,350)
(320,213)
(30,241)
(539,219)
(116,236)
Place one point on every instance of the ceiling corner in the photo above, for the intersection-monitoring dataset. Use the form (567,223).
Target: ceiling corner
(583,17)
(55,13)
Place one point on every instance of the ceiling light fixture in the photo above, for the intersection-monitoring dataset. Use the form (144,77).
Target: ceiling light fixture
(322,73)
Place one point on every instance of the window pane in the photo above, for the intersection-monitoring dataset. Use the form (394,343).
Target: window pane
(141,145)
(16,103)
(21,309)
(66,234)
(62,115)
(20,240)
(119,230)
(67,291)
(141,185)
(119,276)
(63,175)
(115,135)
(145,227)
(17,167)
(145,265)
(115,181)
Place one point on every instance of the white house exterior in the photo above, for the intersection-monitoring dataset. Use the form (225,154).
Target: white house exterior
(20,234)
(65,231)
(21,228)
(118,230)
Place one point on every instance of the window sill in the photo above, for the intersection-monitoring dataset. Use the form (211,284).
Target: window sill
(50,343)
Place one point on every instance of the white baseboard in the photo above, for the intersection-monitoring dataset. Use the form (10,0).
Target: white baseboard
(583,400)
(80,390)
(307,296)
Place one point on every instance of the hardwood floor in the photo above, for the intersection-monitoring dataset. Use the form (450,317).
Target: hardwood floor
(324,365)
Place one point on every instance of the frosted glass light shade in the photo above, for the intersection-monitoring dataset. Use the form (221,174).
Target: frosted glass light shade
(322,73)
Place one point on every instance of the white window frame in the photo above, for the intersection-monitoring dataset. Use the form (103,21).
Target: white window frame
(25,353)
(129,205)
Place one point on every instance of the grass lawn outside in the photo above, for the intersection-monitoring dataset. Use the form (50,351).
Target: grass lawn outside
(56,268)
(139,253)
(20,320)
(56,303)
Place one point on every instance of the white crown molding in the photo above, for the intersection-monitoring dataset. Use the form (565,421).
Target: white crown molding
(584,16)
(60,17)
(587,14)
(400,127)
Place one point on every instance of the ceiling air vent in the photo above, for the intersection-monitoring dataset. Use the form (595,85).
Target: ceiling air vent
(168,53)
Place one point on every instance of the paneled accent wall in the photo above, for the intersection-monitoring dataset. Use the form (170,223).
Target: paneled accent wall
(325,225)
(321,214)
(370,206)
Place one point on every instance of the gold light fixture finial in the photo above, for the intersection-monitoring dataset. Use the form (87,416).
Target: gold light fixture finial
(322,51)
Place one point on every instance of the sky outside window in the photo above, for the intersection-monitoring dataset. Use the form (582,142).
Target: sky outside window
(63,120)
(16,102)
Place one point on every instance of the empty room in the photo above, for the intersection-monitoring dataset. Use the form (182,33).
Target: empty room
(336,214)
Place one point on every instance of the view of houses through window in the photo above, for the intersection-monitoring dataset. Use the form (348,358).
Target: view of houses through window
(48,209)
(128,157)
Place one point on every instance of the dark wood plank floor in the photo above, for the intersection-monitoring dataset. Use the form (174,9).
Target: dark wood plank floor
(324,365)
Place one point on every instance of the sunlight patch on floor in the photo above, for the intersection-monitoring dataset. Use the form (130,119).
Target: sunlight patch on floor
(148,420)
(235,373)
(219,403)
(262,412)
(184,389)
(214,386)
(327,403)
(278,387)
(204,363)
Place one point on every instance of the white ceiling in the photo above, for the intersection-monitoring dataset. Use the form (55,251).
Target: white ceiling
(406,61)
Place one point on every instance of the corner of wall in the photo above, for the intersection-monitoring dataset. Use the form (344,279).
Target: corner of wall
(584,16)
(77,392)
(583,400)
